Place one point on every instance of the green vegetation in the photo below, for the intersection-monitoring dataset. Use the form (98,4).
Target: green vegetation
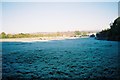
(22,35)
(77,33)
(84,33)
(111,34)
(81,33)
(55,34)
(3,35)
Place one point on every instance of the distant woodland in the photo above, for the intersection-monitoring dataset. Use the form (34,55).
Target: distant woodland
(45,34)
(112,34)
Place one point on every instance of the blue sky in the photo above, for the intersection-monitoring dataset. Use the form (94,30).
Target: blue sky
(59,0)
(26,17)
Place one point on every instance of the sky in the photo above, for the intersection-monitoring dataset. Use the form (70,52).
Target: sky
(27,17)
(60,0)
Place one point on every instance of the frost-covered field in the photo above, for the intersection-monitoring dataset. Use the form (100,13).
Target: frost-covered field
(71,59)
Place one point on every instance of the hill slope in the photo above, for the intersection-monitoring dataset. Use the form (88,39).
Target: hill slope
(113,33)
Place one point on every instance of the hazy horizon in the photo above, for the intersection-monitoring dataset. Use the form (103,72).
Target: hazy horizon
(29,17)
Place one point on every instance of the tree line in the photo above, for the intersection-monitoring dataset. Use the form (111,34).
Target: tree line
(27,35)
